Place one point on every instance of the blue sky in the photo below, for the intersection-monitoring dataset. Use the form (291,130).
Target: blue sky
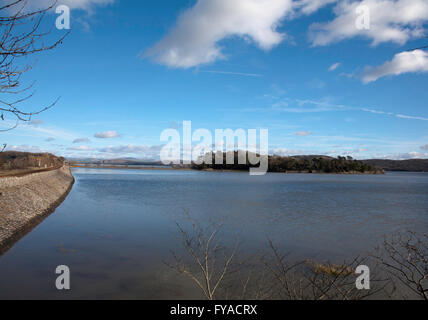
(131,69)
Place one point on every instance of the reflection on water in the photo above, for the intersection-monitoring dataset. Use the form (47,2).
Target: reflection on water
(117,227)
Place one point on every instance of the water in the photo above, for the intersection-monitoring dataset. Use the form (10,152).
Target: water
(117,228)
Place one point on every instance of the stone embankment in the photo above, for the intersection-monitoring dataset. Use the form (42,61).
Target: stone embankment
(26,200)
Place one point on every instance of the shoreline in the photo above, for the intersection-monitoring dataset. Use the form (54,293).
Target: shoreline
(126,167)
(24,172)
(25,201)
(380,172)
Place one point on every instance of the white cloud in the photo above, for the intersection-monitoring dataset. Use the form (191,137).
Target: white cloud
(106,135)
(424,147)
(195,37)
(303,133)
(334,66)
(390,21)
(404,62)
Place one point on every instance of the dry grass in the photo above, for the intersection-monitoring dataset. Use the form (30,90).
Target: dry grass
(332,269)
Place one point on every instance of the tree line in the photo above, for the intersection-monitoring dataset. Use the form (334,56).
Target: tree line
(304,164)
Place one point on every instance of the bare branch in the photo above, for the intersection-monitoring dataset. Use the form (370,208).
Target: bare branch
(21,36)
(405,257)
(204,248)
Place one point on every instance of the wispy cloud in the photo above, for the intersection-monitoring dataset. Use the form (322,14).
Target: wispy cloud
(403,116)
(36,122)
(311,6)
(50,131)
(81,140)
(285,152)
(404,156)
(376,111)
(81,148)
(107,135)
(281,107)
(316,84)
(29,130)
(334,66)
(300,106)
(232,73)
(312,106)
(303,133)
(139,151)
(126,149)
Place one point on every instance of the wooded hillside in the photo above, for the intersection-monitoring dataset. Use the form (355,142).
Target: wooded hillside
(12,160)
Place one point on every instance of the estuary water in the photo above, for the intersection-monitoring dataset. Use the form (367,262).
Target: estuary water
(117,228)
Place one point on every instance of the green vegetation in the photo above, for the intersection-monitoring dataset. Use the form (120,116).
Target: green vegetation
(304,164)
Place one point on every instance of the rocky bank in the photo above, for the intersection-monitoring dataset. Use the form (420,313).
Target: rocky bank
(25,201)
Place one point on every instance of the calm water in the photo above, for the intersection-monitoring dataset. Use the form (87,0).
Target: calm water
(117,228)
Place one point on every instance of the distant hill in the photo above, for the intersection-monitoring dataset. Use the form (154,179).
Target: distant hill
(118,162)
(308,157)
(414,165)
(294,163)
(130,162)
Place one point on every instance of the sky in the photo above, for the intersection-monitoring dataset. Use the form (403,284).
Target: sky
(322,76)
